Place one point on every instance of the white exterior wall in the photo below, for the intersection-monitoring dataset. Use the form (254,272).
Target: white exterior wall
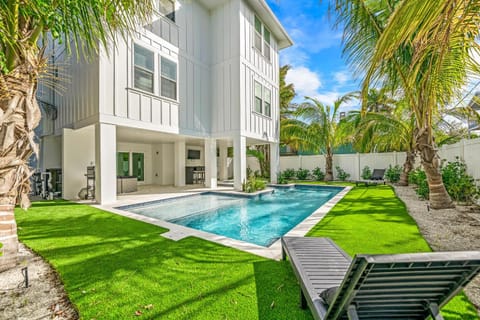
(225,69)
(51,152)
(162,164)
(75,94)
(217,66)
(195,51)
(121,103)
(78,154)
(255,67)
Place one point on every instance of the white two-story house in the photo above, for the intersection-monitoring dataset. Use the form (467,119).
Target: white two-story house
(170,100)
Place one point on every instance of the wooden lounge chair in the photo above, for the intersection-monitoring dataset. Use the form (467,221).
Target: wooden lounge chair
(398,286)
(376,178)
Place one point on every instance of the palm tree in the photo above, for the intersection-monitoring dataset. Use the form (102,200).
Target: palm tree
(314,127)
(423,47)
(379,101)
(287,92)
(386,132)
(25,29)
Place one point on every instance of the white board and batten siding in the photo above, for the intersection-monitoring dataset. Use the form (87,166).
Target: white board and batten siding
(194,83)
(73,91)
(217,66)
(120,102)
(225,68)
(236,65)
(255,67)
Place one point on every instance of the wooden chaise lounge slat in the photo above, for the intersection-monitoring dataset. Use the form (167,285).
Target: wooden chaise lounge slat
(399,286)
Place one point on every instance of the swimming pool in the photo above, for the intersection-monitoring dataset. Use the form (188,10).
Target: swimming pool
(260,220)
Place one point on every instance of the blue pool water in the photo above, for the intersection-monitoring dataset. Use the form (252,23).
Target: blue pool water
(260,220)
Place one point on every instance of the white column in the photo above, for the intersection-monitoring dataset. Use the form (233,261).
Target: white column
(211,163)
(223,161)
(179,167)
(105,163)
(239,161)
(274,161)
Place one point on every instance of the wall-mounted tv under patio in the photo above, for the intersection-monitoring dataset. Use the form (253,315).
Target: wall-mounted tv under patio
(193,154)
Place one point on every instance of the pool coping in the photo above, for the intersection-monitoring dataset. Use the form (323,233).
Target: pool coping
(274,251)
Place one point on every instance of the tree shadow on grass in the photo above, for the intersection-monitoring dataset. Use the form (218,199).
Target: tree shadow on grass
(278,293)
(460,308)
(113,266)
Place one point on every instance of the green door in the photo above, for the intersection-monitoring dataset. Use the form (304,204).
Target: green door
(123,164)
(138,166)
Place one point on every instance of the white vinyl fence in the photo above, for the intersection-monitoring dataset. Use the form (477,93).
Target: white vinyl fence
(468,150)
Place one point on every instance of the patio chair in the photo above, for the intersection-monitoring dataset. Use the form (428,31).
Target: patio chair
(397,286)
(376,178)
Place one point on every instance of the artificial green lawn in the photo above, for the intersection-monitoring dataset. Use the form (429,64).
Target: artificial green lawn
(114,266)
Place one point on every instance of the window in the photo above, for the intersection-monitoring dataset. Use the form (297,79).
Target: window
(266,43)
(144,68)
(167,8)
(168,79)
(262,32)
(263,100)
(267,102)
(258,34)
(258,97)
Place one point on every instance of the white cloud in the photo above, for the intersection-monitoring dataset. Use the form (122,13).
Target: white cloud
(305,81)
(342,77)
(329,97)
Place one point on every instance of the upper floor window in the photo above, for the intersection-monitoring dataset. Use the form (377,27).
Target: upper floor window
(258,34)
(267,102)
(143,69)
(262,38)
(167,8)
(263,99)
(168,87)
(258,97)
(146,74)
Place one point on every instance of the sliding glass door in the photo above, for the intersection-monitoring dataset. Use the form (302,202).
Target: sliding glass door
(123,164)
(138,168)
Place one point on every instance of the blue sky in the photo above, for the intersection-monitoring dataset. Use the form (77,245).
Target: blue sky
(317,67)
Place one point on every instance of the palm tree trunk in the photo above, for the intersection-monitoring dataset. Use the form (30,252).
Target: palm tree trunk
(439,197)
(328,166)
(19,115)
(407,167)
(8,237)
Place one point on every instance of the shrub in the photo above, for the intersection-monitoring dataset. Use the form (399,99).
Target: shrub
(318,174)
(341,174)
(281,178)
(393,173)
(249,172)
(366,173)
(253,184)
(302,174)
(459,184)
(419,178)
(289,173)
